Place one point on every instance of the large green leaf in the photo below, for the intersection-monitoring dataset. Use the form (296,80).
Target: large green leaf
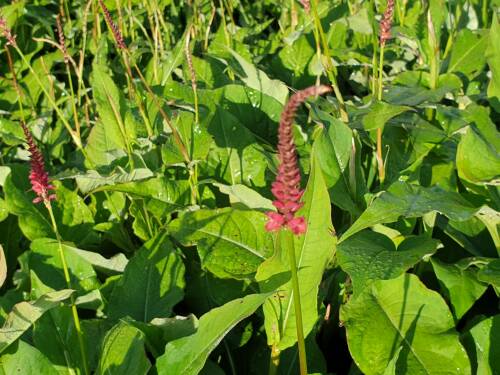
(116,127)
(45,261)
(402,312)
(231,243)
(334,149)
(24,314)
(481,342)
(236,156)
(258,80)
(313,250)
(186,356)
(493,58)
(460,283)
(152,284)
(406,200)
(73,217)
(159,191)
(368,256)
(123,352)
(26,359)
(478,160)
(380,113)
(467,55)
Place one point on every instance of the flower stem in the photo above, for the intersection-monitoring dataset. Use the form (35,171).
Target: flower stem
(67,278)
(288,241)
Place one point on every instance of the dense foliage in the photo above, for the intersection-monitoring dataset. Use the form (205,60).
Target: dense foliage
(157,124)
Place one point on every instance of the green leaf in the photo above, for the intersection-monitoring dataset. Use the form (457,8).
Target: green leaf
(333,148)
(460,284)
(74,219)
(491,273)
(241,196)
(478,161)
(26,359)
(54,334)
(32,222)
(116,126)
(492,55)
(24,314)
(369,256)
(186,356)
(236,157)
(172,194)
(467,55)
(45,262)
(152,284)
(258,80)
(231,243)
(313,251)
(92,180)
(481,342)
(402,312)
(406,200)
(380,113)
(123,352)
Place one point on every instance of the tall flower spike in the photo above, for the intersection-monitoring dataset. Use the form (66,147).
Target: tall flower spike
(39,177)
(114,29)
(386,22)
(6,32)
(286,187)
(62,40)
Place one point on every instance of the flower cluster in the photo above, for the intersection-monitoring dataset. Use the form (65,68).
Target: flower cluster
(386,22)
(114,29)
(286,188)
(5,31)
(39,177)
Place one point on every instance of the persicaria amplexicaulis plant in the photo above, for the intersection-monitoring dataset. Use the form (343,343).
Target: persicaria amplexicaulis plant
(286,188)
(39,177)
(386,22)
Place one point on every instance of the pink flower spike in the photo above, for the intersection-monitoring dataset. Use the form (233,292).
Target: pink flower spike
(298,225)
(275,221)
(38,176)
(286,188)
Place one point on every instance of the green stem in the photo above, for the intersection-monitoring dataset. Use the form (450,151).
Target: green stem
(380,160)
(288,241)
(67,278)
(331,71)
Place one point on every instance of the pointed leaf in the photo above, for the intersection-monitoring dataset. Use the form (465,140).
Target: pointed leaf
(24,314)
(368,256)
(231,243)
(186,356)
(123,352)
(152,284)
(403,312)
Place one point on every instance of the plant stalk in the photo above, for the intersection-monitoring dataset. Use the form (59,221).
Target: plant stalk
(288,241)
(76,319)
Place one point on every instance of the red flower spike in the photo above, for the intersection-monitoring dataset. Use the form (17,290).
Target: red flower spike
(114,29)
(39,177)
(286,187)
(386,22)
